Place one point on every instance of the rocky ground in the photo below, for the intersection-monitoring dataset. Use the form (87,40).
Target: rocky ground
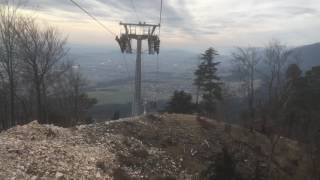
(151,147)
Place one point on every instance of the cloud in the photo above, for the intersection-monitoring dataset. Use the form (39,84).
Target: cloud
(209,18)
(174,16)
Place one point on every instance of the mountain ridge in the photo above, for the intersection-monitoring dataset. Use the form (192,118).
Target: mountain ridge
(309,54)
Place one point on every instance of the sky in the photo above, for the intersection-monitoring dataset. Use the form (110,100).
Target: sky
(186,24)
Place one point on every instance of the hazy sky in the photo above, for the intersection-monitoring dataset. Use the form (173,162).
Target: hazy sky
(190,24)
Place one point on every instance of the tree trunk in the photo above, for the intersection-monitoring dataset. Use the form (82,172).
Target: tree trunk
(197,99)
(12,104)
(39,101)
(252,93)
(10,73)
(44,104)
(76,104)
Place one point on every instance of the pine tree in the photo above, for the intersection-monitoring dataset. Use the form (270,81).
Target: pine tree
(181,102)
(208,83)
(223,167)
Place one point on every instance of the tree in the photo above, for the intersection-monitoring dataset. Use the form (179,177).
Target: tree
(246,61)
(68,102)
(32,66)
(302,106)
(3,104)
(208,83)
(302,113)
(276,57)
(9,19)
(223,167)
(290,111)
(77,84)
(293,72)
(310,98)
(40,51)
(181,102)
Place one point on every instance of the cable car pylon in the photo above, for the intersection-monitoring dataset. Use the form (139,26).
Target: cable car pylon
(138,32)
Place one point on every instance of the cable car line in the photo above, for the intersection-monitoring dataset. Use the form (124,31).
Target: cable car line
(93,17)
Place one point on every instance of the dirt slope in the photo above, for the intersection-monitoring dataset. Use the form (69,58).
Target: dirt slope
(151,147)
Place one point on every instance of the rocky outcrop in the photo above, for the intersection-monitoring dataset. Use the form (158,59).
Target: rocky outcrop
(151,147)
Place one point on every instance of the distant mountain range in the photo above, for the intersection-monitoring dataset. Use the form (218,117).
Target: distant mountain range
(309,55)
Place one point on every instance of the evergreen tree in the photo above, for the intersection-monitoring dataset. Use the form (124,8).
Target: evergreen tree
(223,167)
(302,104)
(181,102)
(207,82)
(293,72)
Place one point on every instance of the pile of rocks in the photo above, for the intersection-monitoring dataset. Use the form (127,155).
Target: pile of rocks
(34,151)
(152,147)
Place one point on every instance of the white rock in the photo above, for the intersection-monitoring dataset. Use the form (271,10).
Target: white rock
(98,175)
(34,178)
(59,175)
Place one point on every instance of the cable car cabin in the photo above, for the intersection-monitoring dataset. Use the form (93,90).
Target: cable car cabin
(154,44)
(124,43)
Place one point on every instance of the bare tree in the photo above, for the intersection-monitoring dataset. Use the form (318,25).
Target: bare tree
(246,61)
(276,59)
(9,19)
(40,51)
(77,83)
(71,87)
(3,103)
(69,101)
(31,65)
